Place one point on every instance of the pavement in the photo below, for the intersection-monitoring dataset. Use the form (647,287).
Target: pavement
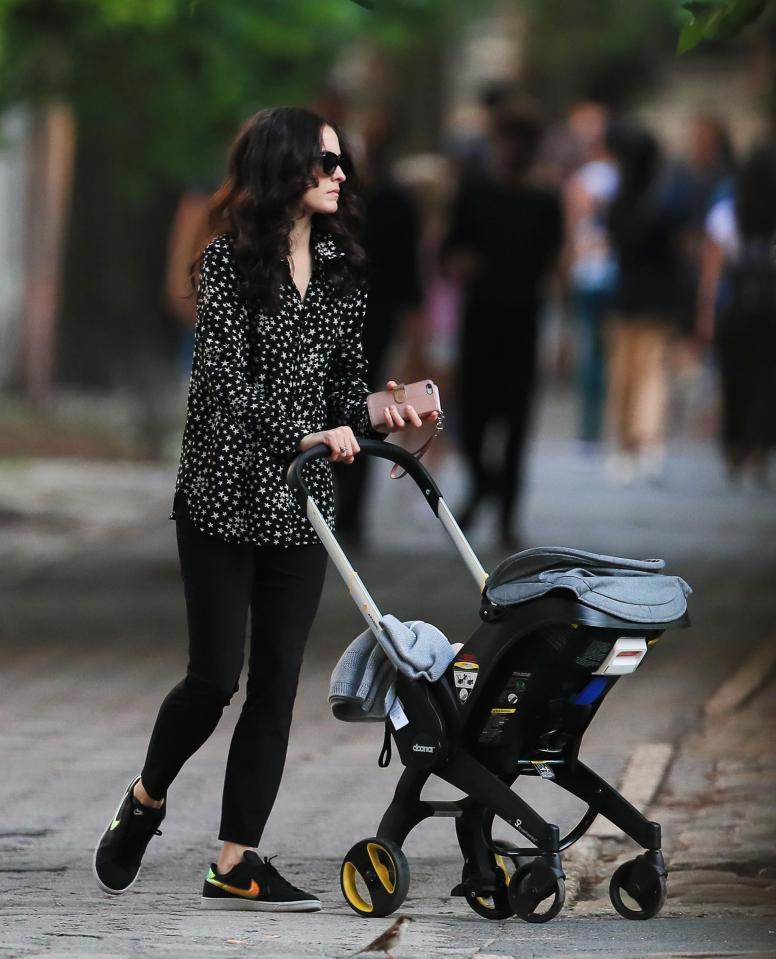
(716,809)
(92,637)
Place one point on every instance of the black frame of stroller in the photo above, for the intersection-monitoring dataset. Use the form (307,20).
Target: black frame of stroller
(425,748)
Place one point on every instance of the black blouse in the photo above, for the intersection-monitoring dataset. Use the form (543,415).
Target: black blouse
(260,382)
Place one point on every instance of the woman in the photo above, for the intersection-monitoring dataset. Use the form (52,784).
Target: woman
(647,220)
(278,368)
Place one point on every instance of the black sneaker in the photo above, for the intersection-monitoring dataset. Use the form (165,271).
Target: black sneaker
(254,883)
(120,849)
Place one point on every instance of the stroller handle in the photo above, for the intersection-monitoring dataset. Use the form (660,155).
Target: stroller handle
(387,451)
(428,487)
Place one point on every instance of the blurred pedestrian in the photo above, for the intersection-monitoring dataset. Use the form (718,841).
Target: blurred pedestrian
(469,141)
(698,180)
(702,177)
(711,165)
(391,241)
(737,310)
(431,342)
(278,368)
(646,223)
(188,232)
(590,264)
(504,239)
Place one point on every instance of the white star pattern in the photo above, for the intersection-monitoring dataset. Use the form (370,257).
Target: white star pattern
(260,382)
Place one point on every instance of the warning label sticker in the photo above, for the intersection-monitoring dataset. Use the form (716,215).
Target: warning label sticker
(505,706)
(465,676)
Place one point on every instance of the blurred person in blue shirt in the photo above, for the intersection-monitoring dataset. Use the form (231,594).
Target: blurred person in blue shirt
(590,264)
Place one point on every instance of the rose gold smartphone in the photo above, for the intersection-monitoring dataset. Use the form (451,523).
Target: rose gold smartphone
(423,396)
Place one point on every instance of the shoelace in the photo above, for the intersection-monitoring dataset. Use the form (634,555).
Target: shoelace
(138,837)
(274,874)
(141,825)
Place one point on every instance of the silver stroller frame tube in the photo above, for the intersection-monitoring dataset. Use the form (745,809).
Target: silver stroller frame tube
(366,605)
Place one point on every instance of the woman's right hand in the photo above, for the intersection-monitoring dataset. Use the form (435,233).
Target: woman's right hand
(341,441)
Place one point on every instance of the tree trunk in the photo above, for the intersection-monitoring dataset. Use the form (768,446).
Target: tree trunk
(113,320)
(52,147)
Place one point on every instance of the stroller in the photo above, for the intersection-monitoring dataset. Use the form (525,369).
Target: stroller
(515,701)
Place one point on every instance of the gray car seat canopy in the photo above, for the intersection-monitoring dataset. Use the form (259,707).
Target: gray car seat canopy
(633,589)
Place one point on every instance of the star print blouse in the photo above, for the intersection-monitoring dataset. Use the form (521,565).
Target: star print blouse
(260,381)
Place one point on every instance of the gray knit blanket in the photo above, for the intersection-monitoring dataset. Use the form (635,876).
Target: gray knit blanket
(363,683)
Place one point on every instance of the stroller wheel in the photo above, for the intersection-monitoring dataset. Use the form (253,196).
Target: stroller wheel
(645,889)
(375,877)
(496,905)
(532,886)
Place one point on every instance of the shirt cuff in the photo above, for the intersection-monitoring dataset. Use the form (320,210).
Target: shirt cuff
(285,436)
(365,427)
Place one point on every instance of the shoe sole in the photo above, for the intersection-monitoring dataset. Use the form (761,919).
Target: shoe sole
(100,883)
(304,905)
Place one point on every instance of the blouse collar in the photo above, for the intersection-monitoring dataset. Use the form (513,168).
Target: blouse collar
(325,247)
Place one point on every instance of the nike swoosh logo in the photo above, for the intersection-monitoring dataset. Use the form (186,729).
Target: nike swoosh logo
(115,823)
(251,892)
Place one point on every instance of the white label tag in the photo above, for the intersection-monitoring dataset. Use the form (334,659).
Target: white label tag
(397,715)
(543,769)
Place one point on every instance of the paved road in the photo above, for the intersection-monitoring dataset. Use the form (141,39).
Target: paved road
(92,637)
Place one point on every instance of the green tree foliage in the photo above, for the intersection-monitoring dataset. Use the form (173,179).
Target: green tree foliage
(157,88)
(166,80)
(607,48)
(716,20)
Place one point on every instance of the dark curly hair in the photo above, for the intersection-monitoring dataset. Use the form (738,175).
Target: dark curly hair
(271,165)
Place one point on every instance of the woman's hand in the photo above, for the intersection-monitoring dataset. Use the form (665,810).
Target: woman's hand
(340,441)
(394,420)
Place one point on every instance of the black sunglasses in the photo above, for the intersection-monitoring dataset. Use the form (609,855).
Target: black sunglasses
(330,161)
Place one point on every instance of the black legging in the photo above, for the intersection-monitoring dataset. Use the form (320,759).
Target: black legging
(282,587)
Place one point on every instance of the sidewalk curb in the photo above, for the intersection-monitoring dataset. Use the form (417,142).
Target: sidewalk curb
(753,673)
(581,865)
(640,783)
